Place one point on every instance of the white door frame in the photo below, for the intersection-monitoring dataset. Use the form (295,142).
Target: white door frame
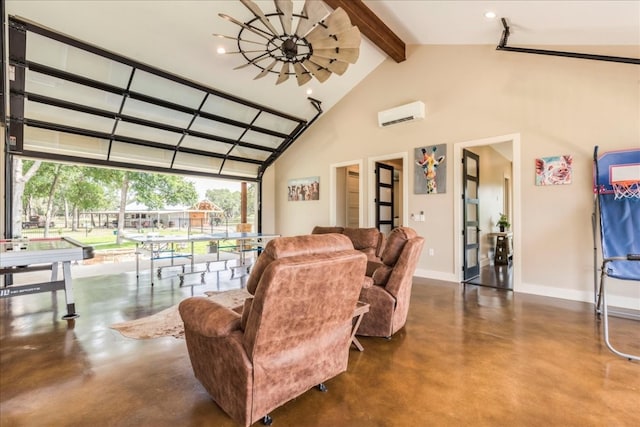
(332,190)
(372,185)
(514,138)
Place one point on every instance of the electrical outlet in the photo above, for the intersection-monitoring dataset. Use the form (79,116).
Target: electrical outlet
(432,252)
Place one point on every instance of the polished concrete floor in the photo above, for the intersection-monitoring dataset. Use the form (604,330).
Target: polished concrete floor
(494,276)
(467,356)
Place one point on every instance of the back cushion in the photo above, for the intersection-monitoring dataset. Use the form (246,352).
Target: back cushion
(363,238)
(283,247)
(325,230)
(394,244)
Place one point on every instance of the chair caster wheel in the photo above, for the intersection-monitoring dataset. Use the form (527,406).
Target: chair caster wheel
(322,387)
(267,420)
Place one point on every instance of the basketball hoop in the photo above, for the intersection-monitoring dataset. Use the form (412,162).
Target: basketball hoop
(625,181)
(626,190)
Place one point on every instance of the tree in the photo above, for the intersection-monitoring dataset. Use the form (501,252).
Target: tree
(59,186)
(251,198)
(226,199)
(23,171)
(86,189)
(42,188)
(155,191)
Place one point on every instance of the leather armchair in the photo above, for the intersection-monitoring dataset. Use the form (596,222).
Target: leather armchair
(388,290)
(292,335)
(370,241)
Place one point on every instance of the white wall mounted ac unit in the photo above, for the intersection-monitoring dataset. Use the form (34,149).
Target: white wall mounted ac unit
(404,113)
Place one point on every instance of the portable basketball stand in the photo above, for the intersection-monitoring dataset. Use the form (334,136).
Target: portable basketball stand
(617,204)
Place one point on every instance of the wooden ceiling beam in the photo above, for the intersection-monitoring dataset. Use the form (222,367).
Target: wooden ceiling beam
(372,27)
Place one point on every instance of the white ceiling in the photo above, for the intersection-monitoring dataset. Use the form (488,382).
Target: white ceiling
(177,35)
(532,22)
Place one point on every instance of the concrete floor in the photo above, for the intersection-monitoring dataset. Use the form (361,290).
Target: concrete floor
(467,356)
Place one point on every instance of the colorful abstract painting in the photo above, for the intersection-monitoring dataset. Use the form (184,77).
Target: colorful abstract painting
(555,170)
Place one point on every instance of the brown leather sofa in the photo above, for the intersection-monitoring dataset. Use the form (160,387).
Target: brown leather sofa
(293,334)
(388,290)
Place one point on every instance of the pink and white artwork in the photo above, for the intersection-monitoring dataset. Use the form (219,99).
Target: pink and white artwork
(555,170)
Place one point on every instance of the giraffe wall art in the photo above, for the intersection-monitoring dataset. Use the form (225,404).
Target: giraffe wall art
(430,171)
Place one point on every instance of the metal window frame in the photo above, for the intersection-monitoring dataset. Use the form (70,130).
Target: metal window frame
(15,119)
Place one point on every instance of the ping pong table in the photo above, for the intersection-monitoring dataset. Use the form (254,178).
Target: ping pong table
(25,255)
(173,247)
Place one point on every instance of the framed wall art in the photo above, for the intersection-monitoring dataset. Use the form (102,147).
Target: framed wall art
(430,175)
(302,189)
(554,170)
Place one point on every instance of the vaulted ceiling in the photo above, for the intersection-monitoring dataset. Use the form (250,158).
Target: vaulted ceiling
(175,37)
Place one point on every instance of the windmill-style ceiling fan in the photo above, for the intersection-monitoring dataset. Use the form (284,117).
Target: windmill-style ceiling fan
(322,43)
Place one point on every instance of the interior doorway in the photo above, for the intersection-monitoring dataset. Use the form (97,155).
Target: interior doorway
(345,177)
(501,178)
(346,201)
(400,185)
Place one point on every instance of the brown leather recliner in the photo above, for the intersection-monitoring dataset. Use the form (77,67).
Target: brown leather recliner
(292,335)
(388,291)
(370,241)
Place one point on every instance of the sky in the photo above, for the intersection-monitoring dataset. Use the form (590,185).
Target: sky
(204,184)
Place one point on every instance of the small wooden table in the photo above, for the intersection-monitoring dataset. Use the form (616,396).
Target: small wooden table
(361,309)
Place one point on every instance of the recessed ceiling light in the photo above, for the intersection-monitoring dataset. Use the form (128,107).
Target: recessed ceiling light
(309,91)
(489,15)
(221,50)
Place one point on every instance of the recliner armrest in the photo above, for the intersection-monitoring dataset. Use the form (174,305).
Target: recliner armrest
(208,318)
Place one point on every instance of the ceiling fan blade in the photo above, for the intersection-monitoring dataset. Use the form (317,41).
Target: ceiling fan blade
(284,73)
(346,39)
(346,55)
(302,75)
(257,12)
(285,8)
(266,70)
(320,73)
(244,51)
(333,65)
(235,38)
(338,21)
(253,61)
(243,25)
(314,11)
(335,23)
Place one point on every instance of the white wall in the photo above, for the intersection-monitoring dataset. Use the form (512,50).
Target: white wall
(557,105)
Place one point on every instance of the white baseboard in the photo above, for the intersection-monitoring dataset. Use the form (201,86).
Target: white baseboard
(613,300)
(436,275)
(621,301)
